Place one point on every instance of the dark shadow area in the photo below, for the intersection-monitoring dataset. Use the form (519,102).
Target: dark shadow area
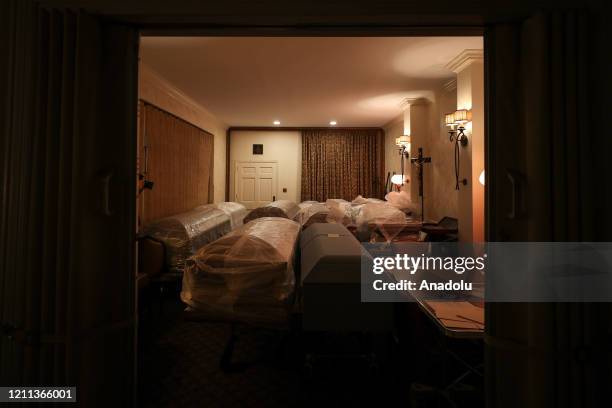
(179,365)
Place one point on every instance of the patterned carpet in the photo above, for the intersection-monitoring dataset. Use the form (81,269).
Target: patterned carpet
(179,367)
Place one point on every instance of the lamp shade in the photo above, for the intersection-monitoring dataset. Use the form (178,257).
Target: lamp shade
(449,119)
(463,116)
(404,140)
(397,179)
(482,178)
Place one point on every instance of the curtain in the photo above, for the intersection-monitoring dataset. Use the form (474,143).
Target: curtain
(67,216)
(180,163)
(542,354)
(342,163)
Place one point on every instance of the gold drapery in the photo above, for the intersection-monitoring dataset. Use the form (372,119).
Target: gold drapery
(342,163)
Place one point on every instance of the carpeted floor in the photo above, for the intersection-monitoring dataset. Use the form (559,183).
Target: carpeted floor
(179,367)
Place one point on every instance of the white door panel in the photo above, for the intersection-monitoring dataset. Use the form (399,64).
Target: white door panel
(255,183)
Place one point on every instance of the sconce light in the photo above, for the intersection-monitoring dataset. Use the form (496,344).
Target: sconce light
(449,120)
(397,179)
(481,178)
(403,144)
(458,118)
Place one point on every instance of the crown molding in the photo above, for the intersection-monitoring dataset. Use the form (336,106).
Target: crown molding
(450,85)
(465,59)
(406,102)
(162,86)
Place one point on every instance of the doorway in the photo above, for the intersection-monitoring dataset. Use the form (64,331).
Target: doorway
(264,150)
(256,183)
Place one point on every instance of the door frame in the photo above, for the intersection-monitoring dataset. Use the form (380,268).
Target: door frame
(238,162)
(474,27)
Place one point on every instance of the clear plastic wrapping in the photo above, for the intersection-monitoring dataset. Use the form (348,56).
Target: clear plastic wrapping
(235,211)
(248,275)
(340,211)
(307,203)
(280,208)
(389,220)
(402,201)
(335,201)
(362,200)
(311,214)
(289,207)
(183,234)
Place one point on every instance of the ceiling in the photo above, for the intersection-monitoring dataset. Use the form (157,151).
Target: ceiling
(304,81)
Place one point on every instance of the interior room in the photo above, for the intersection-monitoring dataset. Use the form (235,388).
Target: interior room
(186,189)
(249,150)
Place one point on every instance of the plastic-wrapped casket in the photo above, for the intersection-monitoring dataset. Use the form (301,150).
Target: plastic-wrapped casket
(279,208)
(183,234)
(340,211)
(312,214)
(359,200)
(307,203)
(235,211)
(247,276)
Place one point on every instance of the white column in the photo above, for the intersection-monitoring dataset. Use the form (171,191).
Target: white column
(468,66)
(416,125)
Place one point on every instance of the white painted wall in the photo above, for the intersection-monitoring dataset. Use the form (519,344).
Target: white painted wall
(158,91)
(284,147)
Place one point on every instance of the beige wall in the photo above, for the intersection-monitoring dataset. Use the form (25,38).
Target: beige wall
(427,132)
(159,92)
(393,130)
(444,198)
(470,95)
(284,147)
(417,129)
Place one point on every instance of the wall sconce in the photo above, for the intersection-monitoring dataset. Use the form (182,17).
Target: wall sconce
(481,178)
(397,179)
(403,144)
(458,118)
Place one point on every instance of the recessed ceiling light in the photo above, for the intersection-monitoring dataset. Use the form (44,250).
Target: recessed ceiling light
(276,122)
(333,123)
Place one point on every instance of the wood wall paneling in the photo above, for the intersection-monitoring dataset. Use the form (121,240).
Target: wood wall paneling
(180,163)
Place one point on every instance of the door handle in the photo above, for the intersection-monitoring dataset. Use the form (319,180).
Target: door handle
(517,182)
(104,191)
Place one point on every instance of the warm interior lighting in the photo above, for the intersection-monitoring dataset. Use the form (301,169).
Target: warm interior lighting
(449,119)
(462,116)
(457,136)
(403,141)
(333,123)
(276,122)
(481,178)
(397,179)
